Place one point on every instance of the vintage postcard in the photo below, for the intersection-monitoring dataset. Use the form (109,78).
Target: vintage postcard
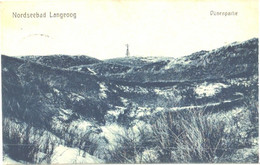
(129,81)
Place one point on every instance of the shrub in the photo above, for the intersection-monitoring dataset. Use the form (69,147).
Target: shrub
(187,136)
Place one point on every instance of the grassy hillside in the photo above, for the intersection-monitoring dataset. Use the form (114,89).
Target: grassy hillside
(201,108)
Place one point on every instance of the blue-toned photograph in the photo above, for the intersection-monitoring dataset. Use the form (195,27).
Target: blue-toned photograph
(130,82)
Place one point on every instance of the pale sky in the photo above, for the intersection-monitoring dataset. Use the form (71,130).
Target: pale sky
(170,28)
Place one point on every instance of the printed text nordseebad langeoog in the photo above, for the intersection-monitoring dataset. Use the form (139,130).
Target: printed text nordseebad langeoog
(44,15)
